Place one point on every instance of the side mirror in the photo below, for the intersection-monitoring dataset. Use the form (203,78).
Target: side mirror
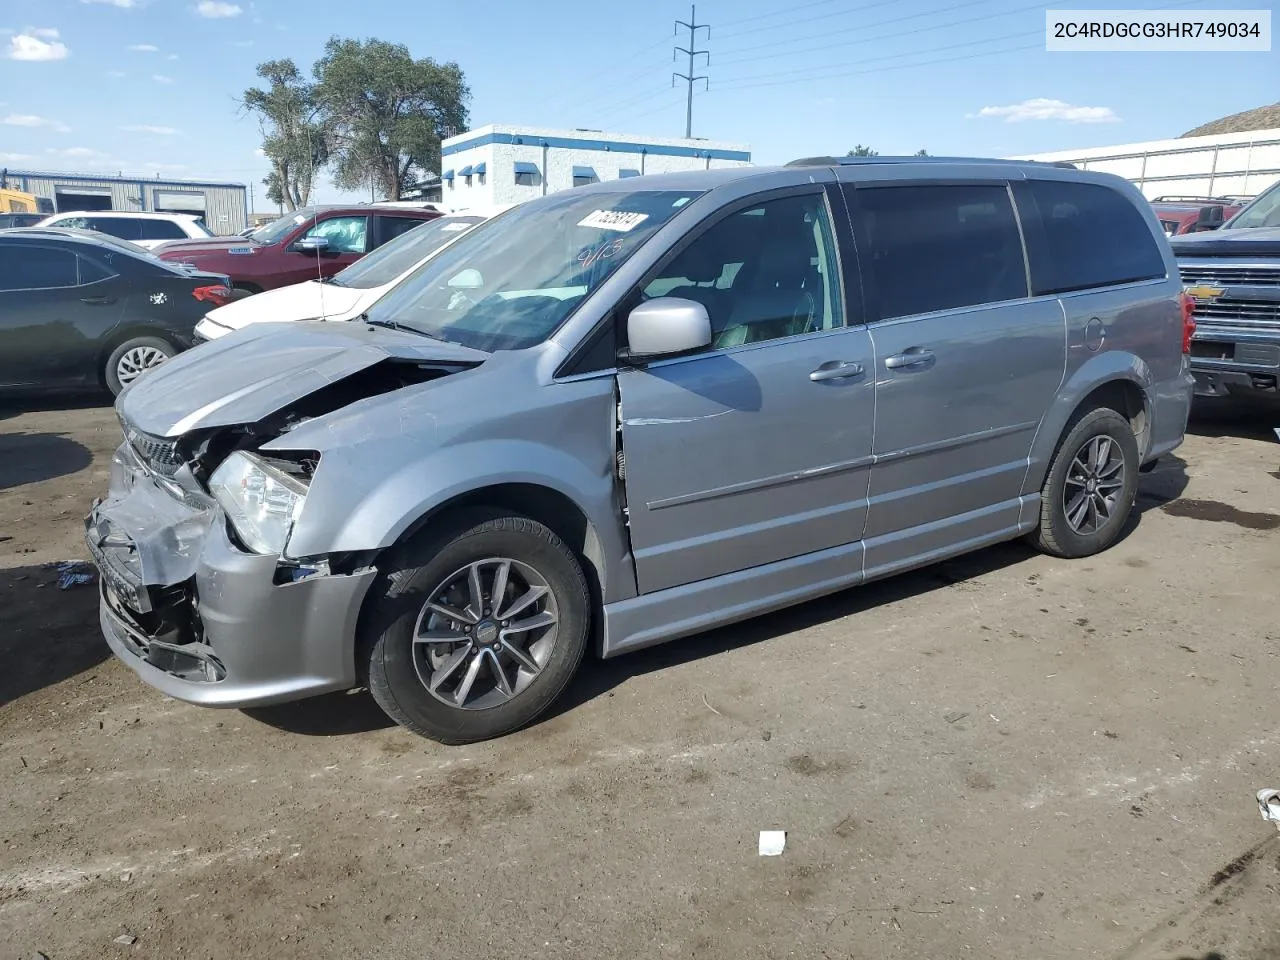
(1210,218)
(667,326)
(311,245)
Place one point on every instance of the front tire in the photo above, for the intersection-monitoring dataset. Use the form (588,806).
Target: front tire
(478,628)
(1090,488)
(132,359)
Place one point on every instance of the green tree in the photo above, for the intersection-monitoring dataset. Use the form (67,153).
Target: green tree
(386,112)
(293,138)
(861,151)
(922,153)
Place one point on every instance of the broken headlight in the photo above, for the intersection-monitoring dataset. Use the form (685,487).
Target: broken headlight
(261,500)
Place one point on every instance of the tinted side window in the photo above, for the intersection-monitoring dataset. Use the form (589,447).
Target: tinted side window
(392,227)
(36,268)
(941,247)
(1086,236)
(160,230)
(91,271)
(121,227)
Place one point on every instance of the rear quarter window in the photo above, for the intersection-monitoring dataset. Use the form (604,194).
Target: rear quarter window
(1083,235)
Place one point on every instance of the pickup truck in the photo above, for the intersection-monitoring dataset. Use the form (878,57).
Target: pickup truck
(1180,215)
(1233,276)
(309,243)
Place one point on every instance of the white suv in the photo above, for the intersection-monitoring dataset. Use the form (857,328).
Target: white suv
(147,230)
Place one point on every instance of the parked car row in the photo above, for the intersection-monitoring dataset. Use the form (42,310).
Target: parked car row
(629,412)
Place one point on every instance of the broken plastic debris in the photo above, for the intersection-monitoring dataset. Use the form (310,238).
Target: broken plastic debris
(1269,806)
(772,842)
(74,573)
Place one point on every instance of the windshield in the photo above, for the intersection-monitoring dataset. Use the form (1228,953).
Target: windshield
(276,230)
(1264,211)
(509,283)
(394,258)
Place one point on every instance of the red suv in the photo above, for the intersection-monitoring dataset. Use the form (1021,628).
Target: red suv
(302,245)
(1179,215)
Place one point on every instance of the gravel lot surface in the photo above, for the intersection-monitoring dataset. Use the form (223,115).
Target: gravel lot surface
(1003,756)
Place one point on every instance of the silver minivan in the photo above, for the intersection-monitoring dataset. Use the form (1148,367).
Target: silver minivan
(630,412)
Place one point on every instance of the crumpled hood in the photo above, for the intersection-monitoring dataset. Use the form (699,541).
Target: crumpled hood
(299,301)
(265,367)
(1245,241)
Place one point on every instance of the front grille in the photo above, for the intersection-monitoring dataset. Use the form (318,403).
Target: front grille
(159,454)
(1239,313)
(1255,276)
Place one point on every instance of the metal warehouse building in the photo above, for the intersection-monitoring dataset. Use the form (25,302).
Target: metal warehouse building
(224,206)
(1227,164)
(499,164)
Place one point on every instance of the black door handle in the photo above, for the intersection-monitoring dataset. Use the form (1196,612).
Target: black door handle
(836,370)
(98,301)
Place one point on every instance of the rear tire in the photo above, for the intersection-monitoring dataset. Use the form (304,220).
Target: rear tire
(133,358)
(459,652)
(1090,488)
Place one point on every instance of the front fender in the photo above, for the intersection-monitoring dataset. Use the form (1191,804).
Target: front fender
(398,501)
(1095,372)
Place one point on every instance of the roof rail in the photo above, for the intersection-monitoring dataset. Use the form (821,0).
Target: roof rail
(851,161)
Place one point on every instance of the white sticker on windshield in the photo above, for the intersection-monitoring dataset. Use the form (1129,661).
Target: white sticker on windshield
(619,220)
(454,227)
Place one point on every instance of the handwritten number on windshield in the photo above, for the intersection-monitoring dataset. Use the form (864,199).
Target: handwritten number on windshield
(606,251)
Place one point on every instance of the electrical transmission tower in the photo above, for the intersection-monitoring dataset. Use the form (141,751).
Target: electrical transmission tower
(693,26)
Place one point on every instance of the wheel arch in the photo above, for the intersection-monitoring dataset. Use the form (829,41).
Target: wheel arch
(1119,381)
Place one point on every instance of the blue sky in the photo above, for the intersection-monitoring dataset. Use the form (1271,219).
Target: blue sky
(150,86)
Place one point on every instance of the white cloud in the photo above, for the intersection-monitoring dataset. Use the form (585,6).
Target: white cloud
(217,10)
(172,56)
(76,153)
(31,120)
(242,43)
(15,157)
(115,73)
(27,46)
(259,152)
(161,78)
(122,4)
(1042,108)
(147,128)
(144,48)
(45,33)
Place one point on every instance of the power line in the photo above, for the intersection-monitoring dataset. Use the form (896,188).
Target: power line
(879,23)
(689,78)
(821,16)
(732,83)
(777,13)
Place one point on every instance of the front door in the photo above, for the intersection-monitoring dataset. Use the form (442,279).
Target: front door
(759,448)
(348,238)
(967,365)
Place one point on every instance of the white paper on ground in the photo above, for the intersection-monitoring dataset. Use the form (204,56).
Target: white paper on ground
(772,842)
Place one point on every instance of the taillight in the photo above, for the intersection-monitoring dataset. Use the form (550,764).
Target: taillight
(217,294)
(1188,321)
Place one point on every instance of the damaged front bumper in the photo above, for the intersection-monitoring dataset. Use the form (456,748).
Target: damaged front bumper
(202,620)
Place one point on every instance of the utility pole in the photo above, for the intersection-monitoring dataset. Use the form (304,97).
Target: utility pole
(693,26)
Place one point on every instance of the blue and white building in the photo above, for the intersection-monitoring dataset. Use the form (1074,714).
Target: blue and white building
(500,164)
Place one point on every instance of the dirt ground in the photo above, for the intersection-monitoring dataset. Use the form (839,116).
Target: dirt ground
(1004,756)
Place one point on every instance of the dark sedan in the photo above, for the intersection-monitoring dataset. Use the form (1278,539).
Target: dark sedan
(81,309)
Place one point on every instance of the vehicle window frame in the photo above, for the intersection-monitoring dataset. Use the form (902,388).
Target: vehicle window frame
(384,235)
(58,248)
(586,357)
(861,230)
(151,223)
(135,222)
(1041,235)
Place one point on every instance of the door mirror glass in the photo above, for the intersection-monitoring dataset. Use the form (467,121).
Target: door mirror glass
(312,245)
(667,326)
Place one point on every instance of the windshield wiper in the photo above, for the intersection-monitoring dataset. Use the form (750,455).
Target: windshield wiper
(394,325)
